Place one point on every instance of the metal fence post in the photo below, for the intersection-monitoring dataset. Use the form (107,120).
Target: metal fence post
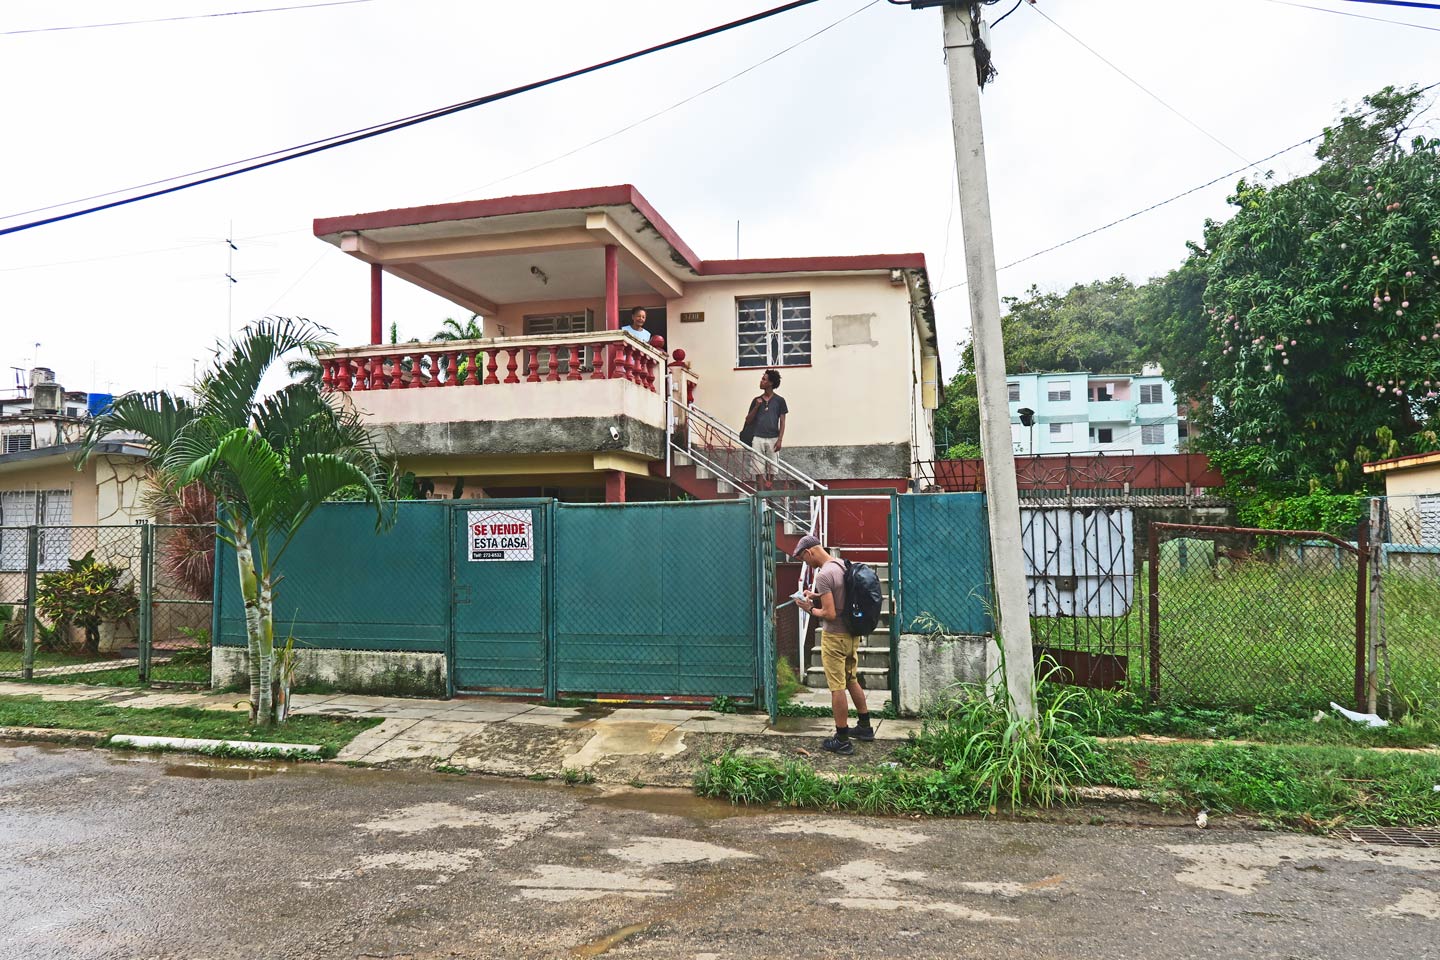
(147,600)
(1361,593)
(1154,560)
(552,640)
(32,577)
(895,622)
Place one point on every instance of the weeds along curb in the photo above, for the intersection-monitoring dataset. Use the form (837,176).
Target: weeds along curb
(52,735)
(228,748)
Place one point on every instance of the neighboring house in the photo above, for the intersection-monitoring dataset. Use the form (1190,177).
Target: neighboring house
(39,484)
(1412,485)
(557,401)
(1096,413)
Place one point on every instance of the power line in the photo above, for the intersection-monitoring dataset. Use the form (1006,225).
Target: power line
(367,133)
(1400,3)
(679,103)
(1146,90)
(194,16)
(1357,16)
(1155,206)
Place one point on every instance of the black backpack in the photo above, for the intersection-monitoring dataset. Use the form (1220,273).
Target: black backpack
(863,599)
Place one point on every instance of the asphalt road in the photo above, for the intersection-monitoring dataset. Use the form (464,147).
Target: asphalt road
(115,855)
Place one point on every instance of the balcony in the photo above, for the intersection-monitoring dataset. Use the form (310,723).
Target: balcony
(587,402)
(1110,411)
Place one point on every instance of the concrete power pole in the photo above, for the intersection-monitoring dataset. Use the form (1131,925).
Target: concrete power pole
(964,59)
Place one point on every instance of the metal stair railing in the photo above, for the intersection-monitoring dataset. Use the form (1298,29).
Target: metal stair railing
(719,449)
(711,444)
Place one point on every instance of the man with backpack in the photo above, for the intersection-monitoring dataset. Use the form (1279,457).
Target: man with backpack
(839,649)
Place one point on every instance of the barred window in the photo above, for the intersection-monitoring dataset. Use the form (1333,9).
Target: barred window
(773,331)
(21,508)
(1013,390)
(18,442)
(1152,434)
(1151,393)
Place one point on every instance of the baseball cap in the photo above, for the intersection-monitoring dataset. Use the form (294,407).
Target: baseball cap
(806,542)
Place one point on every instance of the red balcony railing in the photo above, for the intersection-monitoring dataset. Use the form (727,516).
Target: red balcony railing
(609,355)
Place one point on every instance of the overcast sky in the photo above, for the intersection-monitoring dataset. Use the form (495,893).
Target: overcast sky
(840,146)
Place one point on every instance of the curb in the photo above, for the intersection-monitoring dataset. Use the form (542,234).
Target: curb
(52,735)
(239,747)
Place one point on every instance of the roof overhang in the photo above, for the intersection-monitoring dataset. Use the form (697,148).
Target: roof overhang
(1404,463)
(549,246)
(48,456)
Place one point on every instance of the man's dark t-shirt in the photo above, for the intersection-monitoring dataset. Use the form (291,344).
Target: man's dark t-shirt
(768,414)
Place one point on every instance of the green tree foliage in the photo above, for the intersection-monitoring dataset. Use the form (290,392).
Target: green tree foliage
(1319,330)
(1090,327)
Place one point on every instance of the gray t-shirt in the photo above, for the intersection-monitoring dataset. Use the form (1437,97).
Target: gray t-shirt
(768,414)
(831,579)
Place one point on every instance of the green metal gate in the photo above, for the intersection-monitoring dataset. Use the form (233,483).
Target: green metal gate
(500,616)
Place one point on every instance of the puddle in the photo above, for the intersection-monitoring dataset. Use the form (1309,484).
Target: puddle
(678,803)
(216,770)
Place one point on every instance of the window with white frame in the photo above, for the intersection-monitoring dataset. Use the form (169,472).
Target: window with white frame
(1152,434)
(1152,393)
(18,442)
(1012,391)
(1061,433)
(773,331)
(1102,434)
(1058,392)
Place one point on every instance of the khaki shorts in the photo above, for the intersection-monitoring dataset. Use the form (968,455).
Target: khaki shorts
(840,655)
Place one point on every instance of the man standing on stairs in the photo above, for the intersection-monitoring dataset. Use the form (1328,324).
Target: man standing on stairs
(839,651)
(767,418)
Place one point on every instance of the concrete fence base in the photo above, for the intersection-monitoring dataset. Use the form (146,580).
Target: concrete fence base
(378,672)
(931,666)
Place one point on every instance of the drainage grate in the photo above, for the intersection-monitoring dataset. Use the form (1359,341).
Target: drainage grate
(1395,836)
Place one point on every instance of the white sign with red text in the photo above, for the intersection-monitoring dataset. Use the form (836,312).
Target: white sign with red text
(501,534)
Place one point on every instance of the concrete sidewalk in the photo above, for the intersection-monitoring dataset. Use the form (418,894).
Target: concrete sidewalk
(507,737)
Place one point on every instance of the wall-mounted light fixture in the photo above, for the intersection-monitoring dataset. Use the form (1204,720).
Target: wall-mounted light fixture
(540,273)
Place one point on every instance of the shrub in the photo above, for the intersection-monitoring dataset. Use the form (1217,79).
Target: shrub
(86,595)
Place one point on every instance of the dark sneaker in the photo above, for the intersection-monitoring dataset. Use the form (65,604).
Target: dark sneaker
(836,745)
(863,734)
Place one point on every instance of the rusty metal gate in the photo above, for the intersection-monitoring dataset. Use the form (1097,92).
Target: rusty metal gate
(1239,615)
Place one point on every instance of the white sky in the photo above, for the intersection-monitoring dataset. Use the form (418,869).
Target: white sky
(841,146)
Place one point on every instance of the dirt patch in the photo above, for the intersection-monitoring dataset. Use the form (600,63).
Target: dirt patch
(518,750)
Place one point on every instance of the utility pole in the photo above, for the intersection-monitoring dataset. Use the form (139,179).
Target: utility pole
(967,58)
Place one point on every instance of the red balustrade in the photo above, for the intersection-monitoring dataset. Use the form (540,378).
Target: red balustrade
(522,363)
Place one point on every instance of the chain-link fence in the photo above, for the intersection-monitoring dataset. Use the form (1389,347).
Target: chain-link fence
(1245,616)
(1403,657)
(100,605)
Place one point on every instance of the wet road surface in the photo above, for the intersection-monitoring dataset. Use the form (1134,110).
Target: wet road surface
(127,856)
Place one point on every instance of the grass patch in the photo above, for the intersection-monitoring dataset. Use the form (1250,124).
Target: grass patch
(1107,714)
(1314,788)
(331,733)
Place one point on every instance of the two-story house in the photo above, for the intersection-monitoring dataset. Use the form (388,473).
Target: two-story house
(558,400)
(1095,413)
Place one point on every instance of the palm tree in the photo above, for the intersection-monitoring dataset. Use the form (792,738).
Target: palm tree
(451,331)
(269,462)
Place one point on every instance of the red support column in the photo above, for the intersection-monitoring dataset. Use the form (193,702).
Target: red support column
(612,287)
(376,314)
(615,486)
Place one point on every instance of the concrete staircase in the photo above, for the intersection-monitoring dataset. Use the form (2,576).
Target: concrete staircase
(874,666)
